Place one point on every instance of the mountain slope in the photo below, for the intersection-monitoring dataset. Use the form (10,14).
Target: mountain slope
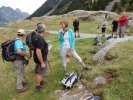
(8,15)
(57,7)
(45,8)
(124,5)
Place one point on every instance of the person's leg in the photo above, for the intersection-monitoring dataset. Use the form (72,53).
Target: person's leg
(18,64)
(25,81)
(123,32)
(76,56)
(75,31)
(39,77)
(63,53)
(120,32)
(112,34)
(78,31)
(116,33)
(103,31)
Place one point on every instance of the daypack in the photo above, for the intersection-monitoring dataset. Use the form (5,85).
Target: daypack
(29,40)
(8,53)
(109,37)
(97,40)
(70,80)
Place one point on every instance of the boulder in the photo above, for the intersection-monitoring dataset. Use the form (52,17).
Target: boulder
(99,81)
(130,23)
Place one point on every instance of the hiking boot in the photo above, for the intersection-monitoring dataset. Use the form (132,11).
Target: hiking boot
(39,89)
(87,68)
(22,90)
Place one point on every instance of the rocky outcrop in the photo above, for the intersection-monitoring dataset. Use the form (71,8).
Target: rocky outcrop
(111,4)
(99,81)
(107,46)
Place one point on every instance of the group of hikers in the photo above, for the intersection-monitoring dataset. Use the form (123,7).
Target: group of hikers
(118,26)
(66,38)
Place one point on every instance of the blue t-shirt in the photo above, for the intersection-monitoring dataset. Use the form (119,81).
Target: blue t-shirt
(19,45)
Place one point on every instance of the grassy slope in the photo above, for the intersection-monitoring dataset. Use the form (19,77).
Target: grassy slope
(53,24)
(119,89)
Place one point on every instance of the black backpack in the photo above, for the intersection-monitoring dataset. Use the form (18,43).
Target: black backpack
(8,53)
(29,40)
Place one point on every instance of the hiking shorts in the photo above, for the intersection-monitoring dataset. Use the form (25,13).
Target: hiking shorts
(39,70)
(103,30)
(76,29)
(114,30)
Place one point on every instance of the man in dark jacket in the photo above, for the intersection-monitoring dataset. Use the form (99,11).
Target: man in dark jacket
(76,27)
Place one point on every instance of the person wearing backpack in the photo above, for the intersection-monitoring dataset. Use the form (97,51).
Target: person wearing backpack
(67,43)
(20,53)
(40,55)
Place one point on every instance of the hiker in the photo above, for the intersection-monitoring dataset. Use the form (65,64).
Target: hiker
(76,27)
(40,55)
(114,27)
(122,25)
(104,26)
(67,43)
(20,61)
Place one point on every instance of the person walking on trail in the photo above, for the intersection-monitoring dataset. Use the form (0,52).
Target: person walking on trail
(40,55)
(20,61)
(104,26)
(122,25)
(114,27)
(67,43)
(76,27)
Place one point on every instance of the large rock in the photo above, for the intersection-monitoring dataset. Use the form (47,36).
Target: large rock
(107,46)
(72,97)
(99,81)
(92,13)
(130,23)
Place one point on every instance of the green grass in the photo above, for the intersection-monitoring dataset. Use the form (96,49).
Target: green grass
(54,24)
(118,89)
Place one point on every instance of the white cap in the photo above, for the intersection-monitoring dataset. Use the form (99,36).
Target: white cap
(21,31)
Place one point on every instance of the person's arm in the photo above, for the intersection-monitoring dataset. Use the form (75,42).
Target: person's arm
(60,36)
(39,56)
(21,53)
(78,23)
(122,19)
(72,39)
(73,23)
(19,45)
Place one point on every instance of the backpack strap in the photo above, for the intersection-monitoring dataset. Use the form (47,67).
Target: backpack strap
(17,55)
